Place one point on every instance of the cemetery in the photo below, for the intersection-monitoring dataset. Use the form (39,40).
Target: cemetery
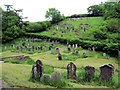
(77,51)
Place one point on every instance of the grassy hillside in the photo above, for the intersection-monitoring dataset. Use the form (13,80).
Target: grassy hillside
(94,23)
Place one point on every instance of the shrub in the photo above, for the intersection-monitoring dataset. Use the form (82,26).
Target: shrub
(100,35)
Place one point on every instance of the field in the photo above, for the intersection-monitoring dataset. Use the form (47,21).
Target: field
(19,75)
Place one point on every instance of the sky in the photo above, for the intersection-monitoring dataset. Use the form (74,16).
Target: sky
(35,10)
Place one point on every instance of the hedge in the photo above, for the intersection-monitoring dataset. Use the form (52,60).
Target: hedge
(111,48)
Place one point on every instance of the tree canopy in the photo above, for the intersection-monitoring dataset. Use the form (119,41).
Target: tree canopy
(53,15)
(12,25)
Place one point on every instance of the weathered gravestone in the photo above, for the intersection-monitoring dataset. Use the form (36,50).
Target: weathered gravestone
(59,56)
(45,78)
(71,71)
(56,76)
(106,72)
(89,72)
(37,70)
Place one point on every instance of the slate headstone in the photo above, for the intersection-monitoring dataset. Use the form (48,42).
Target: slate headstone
(71,71)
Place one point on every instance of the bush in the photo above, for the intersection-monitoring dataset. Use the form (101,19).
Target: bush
(100,35)
(17,61)
(14,61)
(112,26)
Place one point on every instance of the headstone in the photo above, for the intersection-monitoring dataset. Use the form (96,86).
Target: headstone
(106,72)
(89,72)
(71,71)
(73,45)
(37,70)
(76,52)
(45,78)
(69,45)
(56,76)
(93,48)
(57,50)
(59,56)
(76,46)
(68,49)
(118,54)
(73,51)
(104,54)
(50,47)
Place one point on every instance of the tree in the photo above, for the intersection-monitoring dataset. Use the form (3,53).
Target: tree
(12,25)
(95,10)
(54,15)
(111,10)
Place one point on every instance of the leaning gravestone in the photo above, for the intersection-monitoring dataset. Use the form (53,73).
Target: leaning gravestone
(106,72)
(71,71)
(89,72)
(37,70)
(56,76)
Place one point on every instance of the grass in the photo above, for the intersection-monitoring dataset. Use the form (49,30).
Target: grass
(94,23)
(18,75)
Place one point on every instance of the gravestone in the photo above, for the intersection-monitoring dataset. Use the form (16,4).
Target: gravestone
(118,54)
(106,72)
(69,45)
(76,52)
(73,45)
(57,50)
(59,56)
(73,51)
(45,78)
(104,54)
(76,46)
(89,72)
(93,48)
(50,47)
(37,70)
(56,76)
(71,71)
(68,49)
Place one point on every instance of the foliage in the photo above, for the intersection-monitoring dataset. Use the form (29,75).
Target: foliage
(53,15)
(113,25)
(95,10)
(100,35)
(17,61)
(12,25)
